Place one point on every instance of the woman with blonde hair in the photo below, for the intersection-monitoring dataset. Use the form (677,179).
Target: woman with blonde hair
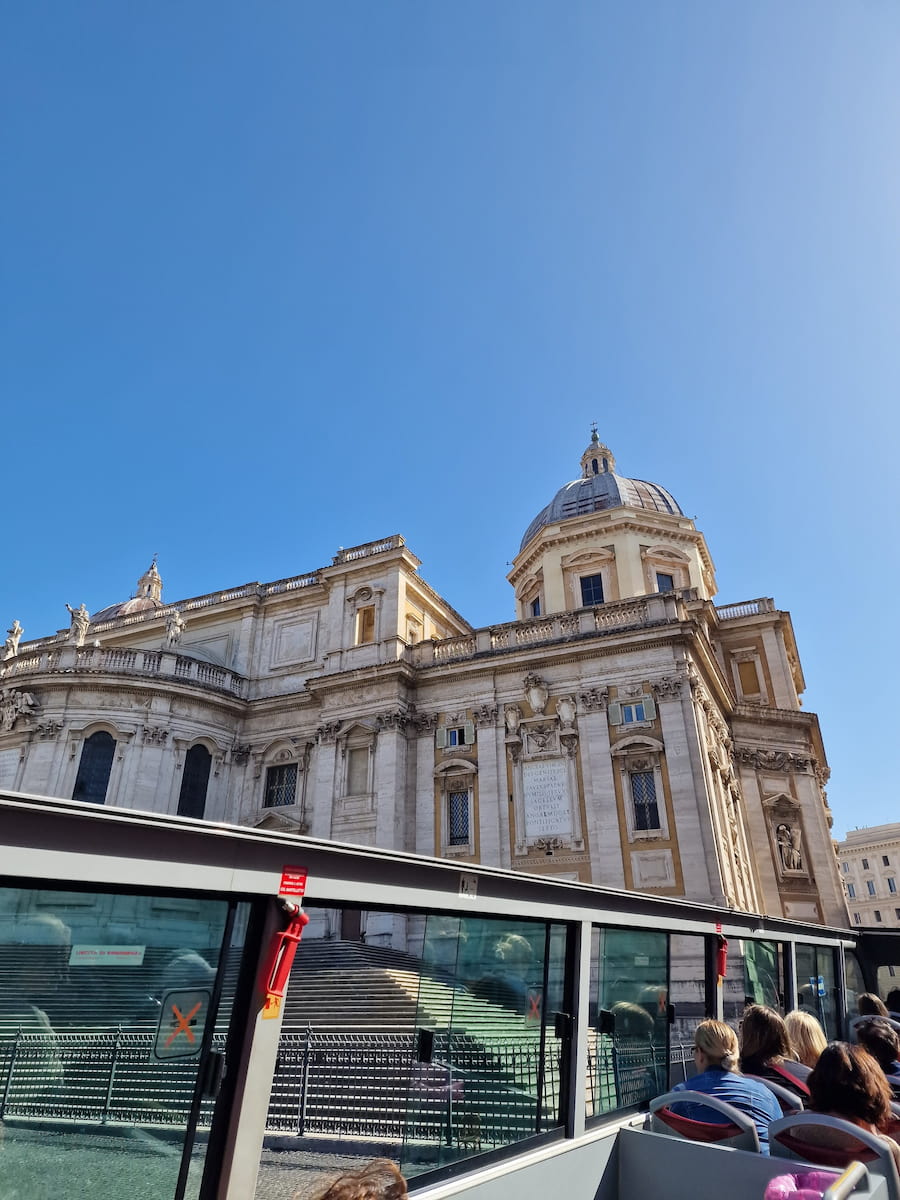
(716,1057)
(806,1036)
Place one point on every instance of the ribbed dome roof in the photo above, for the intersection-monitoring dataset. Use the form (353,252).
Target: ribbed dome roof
(147,597)
(600,488)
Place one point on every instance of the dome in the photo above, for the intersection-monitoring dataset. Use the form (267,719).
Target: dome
(600,488)
(147,598)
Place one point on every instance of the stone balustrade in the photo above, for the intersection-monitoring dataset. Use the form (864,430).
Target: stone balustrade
(368,549)
(747,608)
(644,611)
(113,660)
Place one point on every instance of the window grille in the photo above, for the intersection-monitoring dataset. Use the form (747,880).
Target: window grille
(281,785)
(643,795)
(458,818)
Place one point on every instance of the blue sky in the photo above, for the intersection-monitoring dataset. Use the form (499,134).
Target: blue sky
(288,276)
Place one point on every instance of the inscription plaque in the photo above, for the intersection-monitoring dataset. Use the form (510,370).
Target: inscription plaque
(548,804)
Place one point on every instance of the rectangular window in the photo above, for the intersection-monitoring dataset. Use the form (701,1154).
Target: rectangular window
(885,861)
(591,589)
(877,914)
(857,919)
(664,582)
(632,713)
(851,891)
(281,785)
(892,886)
(845,867)
(357,770)
(871,886)
(643,796)
(749,678)
(365,625)
(458,818)
(536,607)
(897,913)
(865,864)
(448,736)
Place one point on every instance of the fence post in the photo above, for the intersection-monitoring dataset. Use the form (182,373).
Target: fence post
(112,1074)
(304,1085)
(9,1075)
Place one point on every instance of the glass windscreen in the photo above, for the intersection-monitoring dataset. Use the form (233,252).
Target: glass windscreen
(817,987)
(424,1038)
(105,1005)
(628,1043)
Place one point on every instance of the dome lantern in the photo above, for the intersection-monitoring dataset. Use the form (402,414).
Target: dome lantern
(598,458)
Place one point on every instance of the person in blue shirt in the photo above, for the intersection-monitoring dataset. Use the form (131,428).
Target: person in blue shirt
(716,1057)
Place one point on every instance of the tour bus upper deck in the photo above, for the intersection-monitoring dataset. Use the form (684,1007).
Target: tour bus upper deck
(468,1022)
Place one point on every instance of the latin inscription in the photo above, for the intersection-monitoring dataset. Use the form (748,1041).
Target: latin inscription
(548,805)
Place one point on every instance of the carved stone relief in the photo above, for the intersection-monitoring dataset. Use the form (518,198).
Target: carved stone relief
(14,706)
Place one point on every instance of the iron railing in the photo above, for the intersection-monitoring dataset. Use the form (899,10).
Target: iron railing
(489,1090)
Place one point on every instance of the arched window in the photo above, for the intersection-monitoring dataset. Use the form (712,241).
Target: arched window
(194,781)
(95,767)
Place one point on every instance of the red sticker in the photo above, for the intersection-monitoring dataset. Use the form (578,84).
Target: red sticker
(293,881)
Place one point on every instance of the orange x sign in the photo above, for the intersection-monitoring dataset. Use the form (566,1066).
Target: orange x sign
(183,1024)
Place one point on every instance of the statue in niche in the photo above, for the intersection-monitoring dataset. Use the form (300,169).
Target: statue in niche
(537,694)
(788,840)
(13,637)
(512,715)
(81,619)
(565,708)
(175,624)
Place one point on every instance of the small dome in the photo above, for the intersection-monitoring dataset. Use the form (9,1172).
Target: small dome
(147,597)
(600,488)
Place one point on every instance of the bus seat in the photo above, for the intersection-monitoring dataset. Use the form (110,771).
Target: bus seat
(832,1142)
(740,1132)
(790,1102)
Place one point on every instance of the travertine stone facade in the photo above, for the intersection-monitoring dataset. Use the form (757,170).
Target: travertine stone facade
(870,870)
(623,730)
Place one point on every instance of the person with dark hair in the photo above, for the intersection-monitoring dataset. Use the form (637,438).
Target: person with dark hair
(869,1005)
(378,1180)
(716,1055)
(892,1002)
(847,1082)
(766,1050)
(878,1037)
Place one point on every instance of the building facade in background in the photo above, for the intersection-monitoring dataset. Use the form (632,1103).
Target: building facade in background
(621,730)
(870,870)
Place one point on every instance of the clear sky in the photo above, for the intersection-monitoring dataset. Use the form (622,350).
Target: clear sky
(281,277)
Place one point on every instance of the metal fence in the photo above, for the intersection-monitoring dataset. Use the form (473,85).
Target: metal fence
(95,1077)
(482,1090)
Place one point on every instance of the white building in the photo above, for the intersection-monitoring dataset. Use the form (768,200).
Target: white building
(621,730)
(870,869)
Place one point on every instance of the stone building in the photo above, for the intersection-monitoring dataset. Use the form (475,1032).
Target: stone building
(870,869)
(622,730)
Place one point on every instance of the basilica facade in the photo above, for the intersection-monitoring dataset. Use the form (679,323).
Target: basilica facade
(622,730)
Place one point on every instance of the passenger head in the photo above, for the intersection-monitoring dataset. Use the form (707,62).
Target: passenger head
(632,1020)
(848,1082)
(806,1036)
(378,1180)
(764,1035)
(868,1005)
(878,1037)
(718,1042)
(892,1000)
(39,963)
